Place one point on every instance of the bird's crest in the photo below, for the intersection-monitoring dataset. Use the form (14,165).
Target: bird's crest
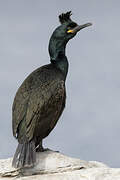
(65,17)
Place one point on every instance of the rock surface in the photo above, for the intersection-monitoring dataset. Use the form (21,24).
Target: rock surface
(55,166)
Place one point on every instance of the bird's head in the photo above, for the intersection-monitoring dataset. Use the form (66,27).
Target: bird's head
(63,33)
(68,28)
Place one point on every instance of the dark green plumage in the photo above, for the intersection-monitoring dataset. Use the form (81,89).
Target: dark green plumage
(40,100)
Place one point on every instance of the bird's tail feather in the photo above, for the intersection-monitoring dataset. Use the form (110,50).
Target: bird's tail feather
(25,155)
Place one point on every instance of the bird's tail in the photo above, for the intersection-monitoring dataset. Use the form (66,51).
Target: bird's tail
(25,155)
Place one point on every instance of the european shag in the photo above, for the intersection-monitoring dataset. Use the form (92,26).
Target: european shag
(40,100)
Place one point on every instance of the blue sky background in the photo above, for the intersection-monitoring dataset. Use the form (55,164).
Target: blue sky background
(89,128)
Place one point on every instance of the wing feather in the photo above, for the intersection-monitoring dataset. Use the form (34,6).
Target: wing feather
(37,105)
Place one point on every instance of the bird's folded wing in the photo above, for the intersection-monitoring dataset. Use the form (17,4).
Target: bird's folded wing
(37,102)
(30,107)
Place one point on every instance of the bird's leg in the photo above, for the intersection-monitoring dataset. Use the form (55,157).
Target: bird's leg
(40,148)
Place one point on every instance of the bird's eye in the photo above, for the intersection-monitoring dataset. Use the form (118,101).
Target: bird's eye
(71,27)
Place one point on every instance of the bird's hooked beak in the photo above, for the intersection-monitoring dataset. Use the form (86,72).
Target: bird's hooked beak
(78,28)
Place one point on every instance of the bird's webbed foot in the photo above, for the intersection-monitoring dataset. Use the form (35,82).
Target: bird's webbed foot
(39,148)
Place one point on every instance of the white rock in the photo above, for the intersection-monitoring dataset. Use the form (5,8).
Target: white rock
(55,166)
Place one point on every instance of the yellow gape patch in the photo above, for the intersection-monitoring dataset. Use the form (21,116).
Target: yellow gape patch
(70,31)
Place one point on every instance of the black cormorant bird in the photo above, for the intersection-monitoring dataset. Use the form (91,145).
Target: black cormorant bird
(40,100)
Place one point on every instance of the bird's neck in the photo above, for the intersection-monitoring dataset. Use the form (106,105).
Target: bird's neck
(57,55)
